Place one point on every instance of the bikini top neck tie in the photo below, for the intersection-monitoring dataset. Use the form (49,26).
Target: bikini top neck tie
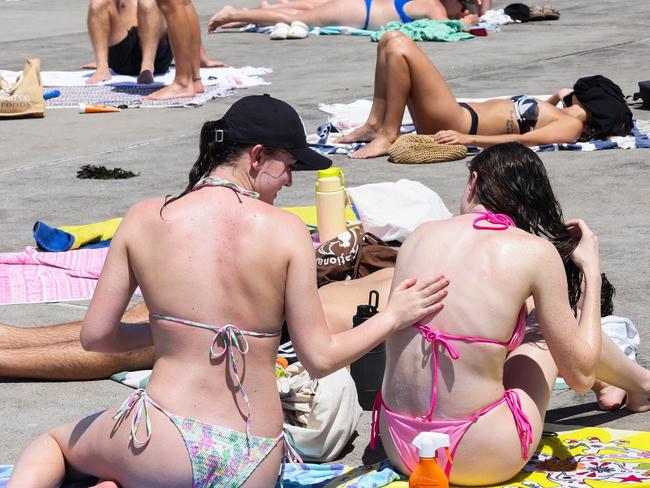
(501,221)
(214,181)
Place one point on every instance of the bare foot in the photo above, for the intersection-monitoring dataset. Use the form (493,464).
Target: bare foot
(145,77)
(470,19)
(99,76)
(264,4)
(377,147)
(364,133)
(608,397)
(198,85)
(638,402)
(212,63)
(222,17)
(91,65)
(174,90)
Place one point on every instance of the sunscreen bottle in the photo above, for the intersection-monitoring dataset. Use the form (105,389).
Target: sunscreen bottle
(330,203)
(427,473)
(85,108)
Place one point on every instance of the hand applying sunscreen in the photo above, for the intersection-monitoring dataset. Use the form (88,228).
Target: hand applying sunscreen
(427,473)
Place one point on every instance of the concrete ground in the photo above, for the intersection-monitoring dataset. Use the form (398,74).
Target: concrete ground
(39,160)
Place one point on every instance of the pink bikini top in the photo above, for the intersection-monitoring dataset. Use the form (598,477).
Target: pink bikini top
(499,222)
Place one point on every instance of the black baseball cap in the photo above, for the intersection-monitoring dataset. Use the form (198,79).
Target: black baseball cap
(262,119)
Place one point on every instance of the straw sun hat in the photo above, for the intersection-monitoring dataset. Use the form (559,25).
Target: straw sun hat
(420,149)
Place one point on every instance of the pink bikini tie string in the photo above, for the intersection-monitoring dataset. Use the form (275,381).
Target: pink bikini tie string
(374,420)
(435,338)
(524,427)
(502,221)
(137,399)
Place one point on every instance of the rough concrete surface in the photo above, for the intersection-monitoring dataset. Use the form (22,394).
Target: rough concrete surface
(39,160)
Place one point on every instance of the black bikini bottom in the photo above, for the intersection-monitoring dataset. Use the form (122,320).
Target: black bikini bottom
(474,115)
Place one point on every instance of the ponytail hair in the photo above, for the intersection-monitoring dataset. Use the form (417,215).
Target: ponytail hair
(512,180)
(212,153)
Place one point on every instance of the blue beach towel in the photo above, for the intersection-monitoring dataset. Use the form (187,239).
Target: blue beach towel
(310,475)
(339,475)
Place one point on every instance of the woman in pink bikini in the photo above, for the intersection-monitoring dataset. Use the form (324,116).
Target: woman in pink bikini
(474,371)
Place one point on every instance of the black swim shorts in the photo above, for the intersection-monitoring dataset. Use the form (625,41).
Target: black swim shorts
(125,57)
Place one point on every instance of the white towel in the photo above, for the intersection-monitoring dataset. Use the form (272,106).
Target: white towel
(346,116)
(496,17)
(623,332)
(232,77)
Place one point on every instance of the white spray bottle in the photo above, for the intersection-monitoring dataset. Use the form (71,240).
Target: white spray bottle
(427,473)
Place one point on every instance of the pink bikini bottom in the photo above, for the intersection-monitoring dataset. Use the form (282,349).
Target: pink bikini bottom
(404,428)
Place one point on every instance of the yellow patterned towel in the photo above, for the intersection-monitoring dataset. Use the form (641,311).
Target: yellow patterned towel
(589,457)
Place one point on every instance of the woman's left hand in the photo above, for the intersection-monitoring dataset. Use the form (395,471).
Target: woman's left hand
(452,137)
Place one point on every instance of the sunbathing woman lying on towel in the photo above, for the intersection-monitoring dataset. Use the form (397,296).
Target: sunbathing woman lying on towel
(475,371)
(362,14)
(404,76)
(220,270)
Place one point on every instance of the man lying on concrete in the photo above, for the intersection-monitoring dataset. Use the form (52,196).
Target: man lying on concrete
(130,38)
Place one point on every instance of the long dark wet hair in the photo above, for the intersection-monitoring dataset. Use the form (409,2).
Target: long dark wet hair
(512,180)
(607,294)
(212,153)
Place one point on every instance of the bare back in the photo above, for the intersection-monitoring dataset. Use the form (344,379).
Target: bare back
(201,262)
(490,278)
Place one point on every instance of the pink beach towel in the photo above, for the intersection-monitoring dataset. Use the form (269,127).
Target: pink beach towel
(33,276)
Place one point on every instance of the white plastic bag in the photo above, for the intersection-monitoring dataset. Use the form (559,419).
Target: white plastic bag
(392,210)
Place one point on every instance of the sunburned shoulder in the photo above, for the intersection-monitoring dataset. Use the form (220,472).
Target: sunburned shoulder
(145,208)
(272,218)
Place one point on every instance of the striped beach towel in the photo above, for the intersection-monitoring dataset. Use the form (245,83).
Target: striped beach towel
(35,277)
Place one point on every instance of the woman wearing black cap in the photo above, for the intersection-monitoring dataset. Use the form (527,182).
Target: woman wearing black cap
(219,268)
(406,77)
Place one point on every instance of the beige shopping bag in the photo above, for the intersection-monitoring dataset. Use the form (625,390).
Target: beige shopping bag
(25,97)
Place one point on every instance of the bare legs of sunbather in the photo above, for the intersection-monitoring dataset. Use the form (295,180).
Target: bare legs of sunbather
(297,4)
(108,24)
(334,12)
(55,353)
(185,38)
(151,30)
(404,75)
